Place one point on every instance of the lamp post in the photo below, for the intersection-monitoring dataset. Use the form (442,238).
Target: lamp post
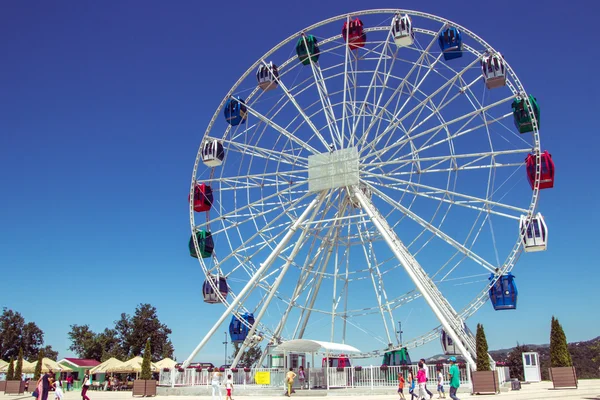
(400,331)
(225,343)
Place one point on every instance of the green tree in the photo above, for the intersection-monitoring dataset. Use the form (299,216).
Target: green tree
(15,334)
(10,373)
(250,356)
(38,367)
(146,372)
(19,368)
(515,361)
(49,353)
(559,350)
(126,339)
(483,359)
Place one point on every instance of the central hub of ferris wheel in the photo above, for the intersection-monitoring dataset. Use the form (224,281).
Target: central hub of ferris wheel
(332,170)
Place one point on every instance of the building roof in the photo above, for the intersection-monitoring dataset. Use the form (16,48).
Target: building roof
(81,362)
(312,346)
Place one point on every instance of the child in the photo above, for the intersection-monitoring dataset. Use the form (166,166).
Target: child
(401,386)
(58,393)
(229,387)
(440,384)
(412,381)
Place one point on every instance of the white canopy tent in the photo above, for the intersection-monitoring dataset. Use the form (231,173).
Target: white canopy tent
(313,346)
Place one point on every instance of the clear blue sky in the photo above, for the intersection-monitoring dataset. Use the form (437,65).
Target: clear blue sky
(103,105)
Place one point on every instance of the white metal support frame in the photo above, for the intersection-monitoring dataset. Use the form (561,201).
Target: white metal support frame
(274,254)
(448,317)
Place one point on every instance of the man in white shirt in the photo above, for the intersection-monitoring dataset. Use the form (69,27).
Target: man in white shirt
(427,377)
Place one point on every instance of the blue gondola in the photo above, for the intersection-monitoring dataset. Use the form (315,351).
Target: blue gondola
(450,41)
(237,330)
(504,292)
(235,111)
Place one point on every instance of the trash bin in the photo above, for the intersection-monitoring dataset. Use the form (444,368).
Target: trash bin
(515,384)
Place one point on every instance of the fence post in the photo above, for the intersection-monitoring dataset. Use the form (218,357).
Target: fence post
(371,375)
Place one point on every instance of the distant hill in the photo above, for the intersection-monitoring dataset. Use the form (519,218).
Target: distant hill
(581,353)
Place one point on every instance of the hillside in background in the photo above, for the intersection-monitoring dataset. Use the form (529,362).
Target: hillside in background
(582,353)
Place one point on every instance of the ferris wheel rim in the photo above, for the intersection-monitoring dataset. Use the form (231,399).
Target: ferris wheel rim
(518,90)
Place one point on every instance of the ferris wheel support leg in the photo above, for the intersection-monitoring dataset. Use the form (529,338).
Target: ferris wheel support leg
(252,282)
(447,316)
(277,282)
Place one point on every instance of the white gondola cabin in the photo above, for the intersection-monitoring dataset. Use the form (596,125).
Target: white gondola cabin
(213,153)
(402,30)
(493,70)
(450,348)
(209,294)
(534,233)
(267,76)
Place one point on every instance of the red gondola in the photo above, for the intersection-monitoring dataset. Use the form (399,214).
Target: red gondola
(354,34)
(203,197)
(546,172)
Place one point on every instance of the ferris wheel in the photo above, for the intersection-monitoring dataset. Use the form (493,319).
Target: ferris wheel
(370,161)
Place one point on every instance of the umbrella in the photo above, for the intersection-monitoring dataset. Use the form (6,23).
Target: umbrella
(106,366)
(47,364)
(26,365)
(165,363)
(133,365)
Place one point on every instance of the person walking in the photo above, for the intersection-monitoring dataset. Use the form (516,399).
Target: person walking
(290,381)
(454,378)
(229,387)
(69,382)
(421,380)
(87,382)
(44,385)
(58,392)
(401,382)
(426,378)
(411,385)
(440,384)
(215,382)
(301,376)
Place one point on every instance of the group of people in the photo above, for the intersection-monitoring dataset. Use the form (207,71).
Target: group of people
(46,382)
(418,383)
(215,382)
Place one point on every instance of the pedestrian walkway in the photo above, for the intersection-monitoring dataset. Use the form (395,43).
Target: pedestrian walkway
(589,389)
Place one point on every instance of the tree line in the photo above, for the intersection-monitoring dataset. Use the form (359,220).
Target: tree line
(127,338)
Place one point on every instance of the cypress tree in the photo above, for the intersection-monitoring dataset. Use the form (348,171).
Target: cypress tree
(38,366)
(10,373)
(19,368)
(559,350)
(483,359)
(146,372)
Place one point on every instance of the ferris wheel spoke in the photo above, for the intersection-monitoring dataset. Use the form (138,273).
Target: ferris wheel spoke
(420,105)
(306,273)
(398,90)
(314,291)
(377,282)
(382,56)
(281,130)
(438,232)
(448,196)
(283,270)
(472,114)
(267,154)
(236,211)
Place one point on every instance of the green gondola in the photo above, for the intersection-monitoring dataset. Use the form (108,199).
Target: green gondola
(308,51)
(396,357)
(205,243)
(523,120)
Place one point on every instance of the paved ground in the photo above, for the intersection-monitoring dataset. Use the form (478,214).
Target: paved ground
(589,389)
